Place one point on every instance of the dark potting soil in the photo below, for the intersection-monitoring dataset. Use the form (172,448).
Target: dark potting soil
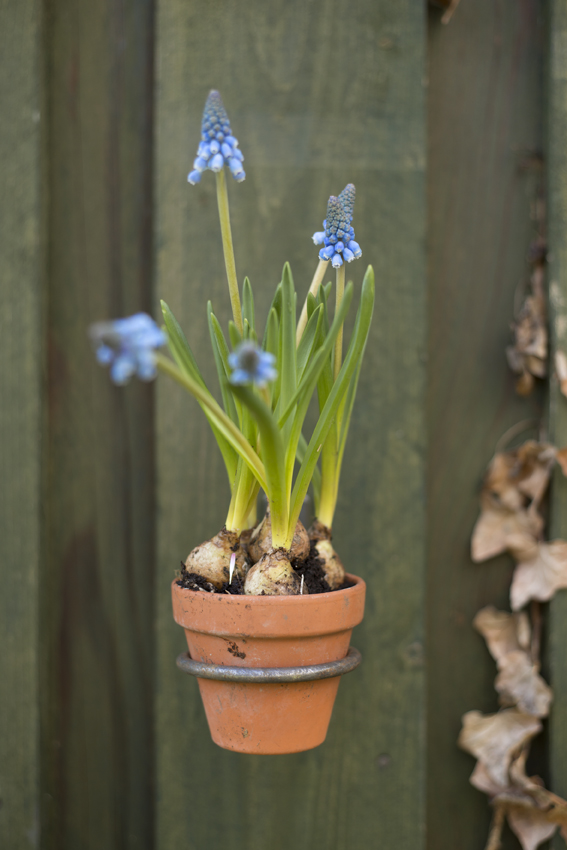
(193,581)
(311,569)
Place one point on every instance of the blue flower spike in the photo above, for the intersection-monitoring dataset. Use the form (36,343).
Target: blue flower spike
(338,235)
(128,346)
(218,147)
(347,198)
(251,365)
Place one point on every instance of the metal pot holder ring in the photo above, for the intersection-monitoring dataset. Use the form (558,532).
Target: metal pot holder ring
(310,673)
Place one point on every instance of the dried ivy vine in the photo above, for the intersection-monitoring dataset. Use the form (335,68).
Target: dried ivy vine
(511,520)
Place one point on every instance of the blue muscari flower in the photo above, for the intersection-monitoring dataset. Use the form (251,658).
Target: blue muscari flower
(218,147)
(127,346)
(347,198)
(338,234)
(251,365)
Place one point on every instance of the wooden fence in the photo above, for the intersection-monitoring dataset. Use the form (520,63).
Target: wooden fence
(103,743)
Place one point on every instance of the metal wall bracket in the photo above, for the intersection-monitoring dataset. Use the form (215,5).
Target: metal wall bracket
(309,673)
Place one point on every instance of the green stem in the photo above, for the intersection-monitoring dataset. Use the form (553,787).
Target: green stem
(274,463)
(245,484)
(334,403)
(329,478)
(225,425)
(252,516)
(313,289)
(330,455)
(339,342)
(228,249)
(245,490)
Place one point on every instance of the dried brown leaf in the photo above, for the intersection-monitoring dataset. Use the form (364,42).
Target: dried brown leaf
(530,825)
(561,370)
(535,462)
(561,458)
(500,481)
(499,529)
(528,355)
(503,632)
(494,738)
(481,779)
(451,6)
(539,574)
(520,684)
(514,485)
(523,471)
(525,383)
(536,366)
(533,786)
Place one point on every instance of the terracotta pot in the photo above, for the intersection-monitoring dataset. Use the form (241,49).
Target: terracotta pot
(269,631)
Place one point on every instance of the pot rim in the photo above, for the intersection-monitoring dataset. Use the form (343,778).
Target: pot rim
(270,616)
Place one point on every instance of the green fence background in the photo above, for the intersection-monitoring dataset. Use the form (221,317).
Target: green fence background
(103,743)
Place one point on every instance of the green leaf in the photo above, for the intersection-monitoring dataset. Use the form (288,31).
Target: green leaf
(347,413)
(249,332)
(316,477)
(234,335)
(271,344)
(353,357)
(185,359)
(216,416)
(179,346)
(248,303)
(220,353)
(311,305)
(274,462)
(316,364)
(308,383)
(271,336)
(325,382)
(277,300)
(287,349)
(308,340)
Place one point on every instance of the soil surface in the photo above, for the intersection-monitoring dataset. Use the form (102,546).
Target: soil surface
(311,569)
(193,581)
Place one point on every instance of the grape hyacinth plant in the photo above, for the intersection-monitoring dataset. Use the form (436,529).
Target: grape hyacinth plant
(217,147)
(128,346)
(266,384)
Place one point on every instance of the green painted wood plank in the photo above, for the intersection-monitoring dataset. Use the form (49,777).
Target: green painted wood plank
(318,95)
(557,189)
(484,116)
(98,562)
(20,420)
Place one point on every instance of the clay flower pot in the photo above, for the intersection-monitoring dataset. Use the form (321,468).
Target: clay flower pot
(268,632)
